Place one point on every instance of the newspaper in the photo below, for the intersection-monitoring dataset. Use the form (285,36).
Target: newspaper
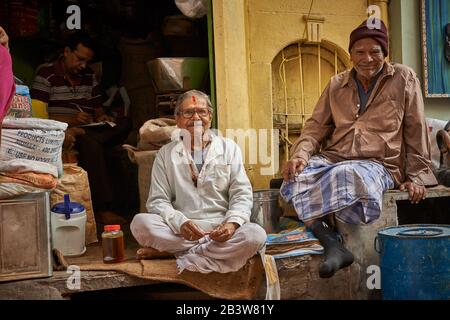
(293,240)
(99,124)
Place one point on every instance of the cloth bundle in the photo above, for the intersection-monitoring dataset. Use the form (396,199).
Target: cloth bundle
(22,176)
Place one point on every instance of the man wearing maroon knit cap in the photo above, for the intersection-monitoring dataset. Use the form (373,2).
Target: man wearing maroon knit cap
(367,134)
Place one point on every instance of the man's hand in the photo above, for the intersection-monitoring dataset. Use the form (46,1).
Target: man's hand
(100,115)
(223,232)
(105,117)
(416,192)
(190,231)
(71,136)
(83,118)
(292,168)
(4,40)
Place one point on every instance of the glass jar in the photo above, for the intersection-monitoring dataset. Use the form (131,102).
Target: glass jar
(113,244)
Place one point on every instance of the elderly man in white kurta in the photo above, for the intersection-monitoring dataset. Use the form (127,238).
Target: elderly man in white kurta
(200,198)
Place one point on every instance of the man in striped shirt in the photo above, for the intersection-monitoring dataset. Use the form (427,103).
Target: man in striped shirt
(72,94)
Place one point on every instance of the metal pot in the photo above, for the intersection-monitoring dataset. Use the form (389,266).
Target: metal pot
(266,210)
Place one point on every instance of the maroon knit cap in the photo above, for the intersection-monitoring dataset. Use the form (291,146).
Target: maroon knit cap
(379,34)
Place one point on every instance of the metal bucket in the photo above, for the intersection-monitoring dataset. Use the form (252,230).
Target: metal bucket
(266,211)
(415,262)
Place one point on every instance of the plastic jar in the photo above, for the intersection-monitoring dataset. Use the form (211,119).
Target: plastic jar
(113,244)
(68,223)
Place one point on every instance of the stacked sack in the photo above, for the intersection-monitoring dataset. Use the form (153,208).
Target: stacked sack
(30,155)
(152,136)
(155,133)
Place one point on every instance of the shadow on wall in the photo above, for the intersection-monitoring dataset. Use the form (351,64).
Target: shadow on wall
(29,53)
(429,211)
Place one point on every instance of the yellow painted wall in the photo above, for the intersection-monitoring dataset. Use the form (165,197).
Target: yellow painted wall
(248,35)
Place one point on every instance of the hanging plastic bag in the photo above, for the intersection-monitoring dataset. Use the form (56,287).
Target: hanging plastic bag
(20,106)
(192,8)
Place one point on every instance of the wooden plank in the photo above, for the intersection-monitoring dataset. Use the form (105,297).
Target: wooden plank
(56,286)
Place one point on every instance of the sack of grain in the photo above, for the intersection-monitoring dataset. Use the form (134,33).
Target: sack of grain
(33,139)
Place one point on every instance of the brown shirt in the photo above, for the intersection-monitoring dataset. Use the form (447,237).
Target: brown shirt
(391,130)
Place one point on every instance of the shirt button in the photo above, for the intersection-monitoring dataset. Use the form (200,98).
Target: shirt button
(357,116)
(358,105)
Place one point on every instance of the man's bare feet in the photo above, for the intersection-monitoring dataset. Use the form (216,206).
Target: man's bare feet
(150,253)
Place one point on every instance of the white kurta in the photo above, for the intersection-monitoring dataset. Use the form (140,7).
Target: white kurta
(223,192)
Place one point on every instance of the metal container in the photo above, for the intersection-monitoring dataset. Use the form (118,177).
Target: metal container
(415,262)
(178,74)
(266,210)
(25,237)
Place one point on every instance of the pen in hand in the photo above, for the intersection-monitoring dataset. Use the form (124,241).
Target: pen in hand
(79,107)
(82,116)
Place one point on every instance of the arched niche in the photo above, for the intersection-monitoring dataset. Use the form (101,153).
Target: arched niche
(300,72)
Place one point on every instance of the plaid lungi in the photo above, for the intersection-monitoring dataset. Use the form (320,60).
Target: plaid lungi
(352,189)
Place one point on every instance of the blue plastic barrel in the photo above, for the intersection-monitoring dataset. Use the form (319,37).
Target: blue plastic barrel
(415,262)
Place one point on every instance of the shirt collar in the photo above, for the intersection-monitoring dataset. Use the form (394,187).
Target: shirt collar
(371,84)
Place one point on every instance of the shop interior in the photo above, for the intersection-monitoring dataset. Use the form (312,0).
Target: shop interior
(138,43)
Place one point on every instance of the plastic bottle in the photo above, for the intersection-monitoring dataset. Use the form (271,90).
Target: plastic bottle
(113,245)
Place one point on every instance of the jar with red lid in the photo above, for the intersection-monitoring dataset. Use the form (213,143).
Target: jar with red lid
(113,244)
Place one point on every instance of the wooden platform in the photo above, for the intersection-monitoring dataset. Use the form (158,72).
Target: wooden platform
(298,276)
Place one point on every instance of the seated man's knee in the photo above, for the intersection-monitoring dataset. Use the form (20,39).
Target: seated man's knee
(141,228)
(255,236)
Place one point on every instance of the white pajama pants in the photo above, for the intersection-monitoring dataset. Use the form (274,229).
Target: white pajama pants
(203,255)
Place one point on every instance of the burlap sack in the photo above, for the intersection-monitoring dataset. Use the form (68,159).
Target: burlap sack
(75,183)
(155,133)
(144,160)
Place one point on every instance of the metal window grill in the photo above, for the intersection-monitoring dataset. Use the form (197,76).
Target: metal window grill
(300,72)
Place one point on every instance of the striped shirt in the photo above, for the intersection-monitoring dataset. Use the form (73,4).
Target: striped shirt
(51,86)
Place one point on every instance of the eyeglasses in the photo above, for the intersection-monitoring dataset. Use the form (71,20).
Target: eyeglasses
(187,114)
